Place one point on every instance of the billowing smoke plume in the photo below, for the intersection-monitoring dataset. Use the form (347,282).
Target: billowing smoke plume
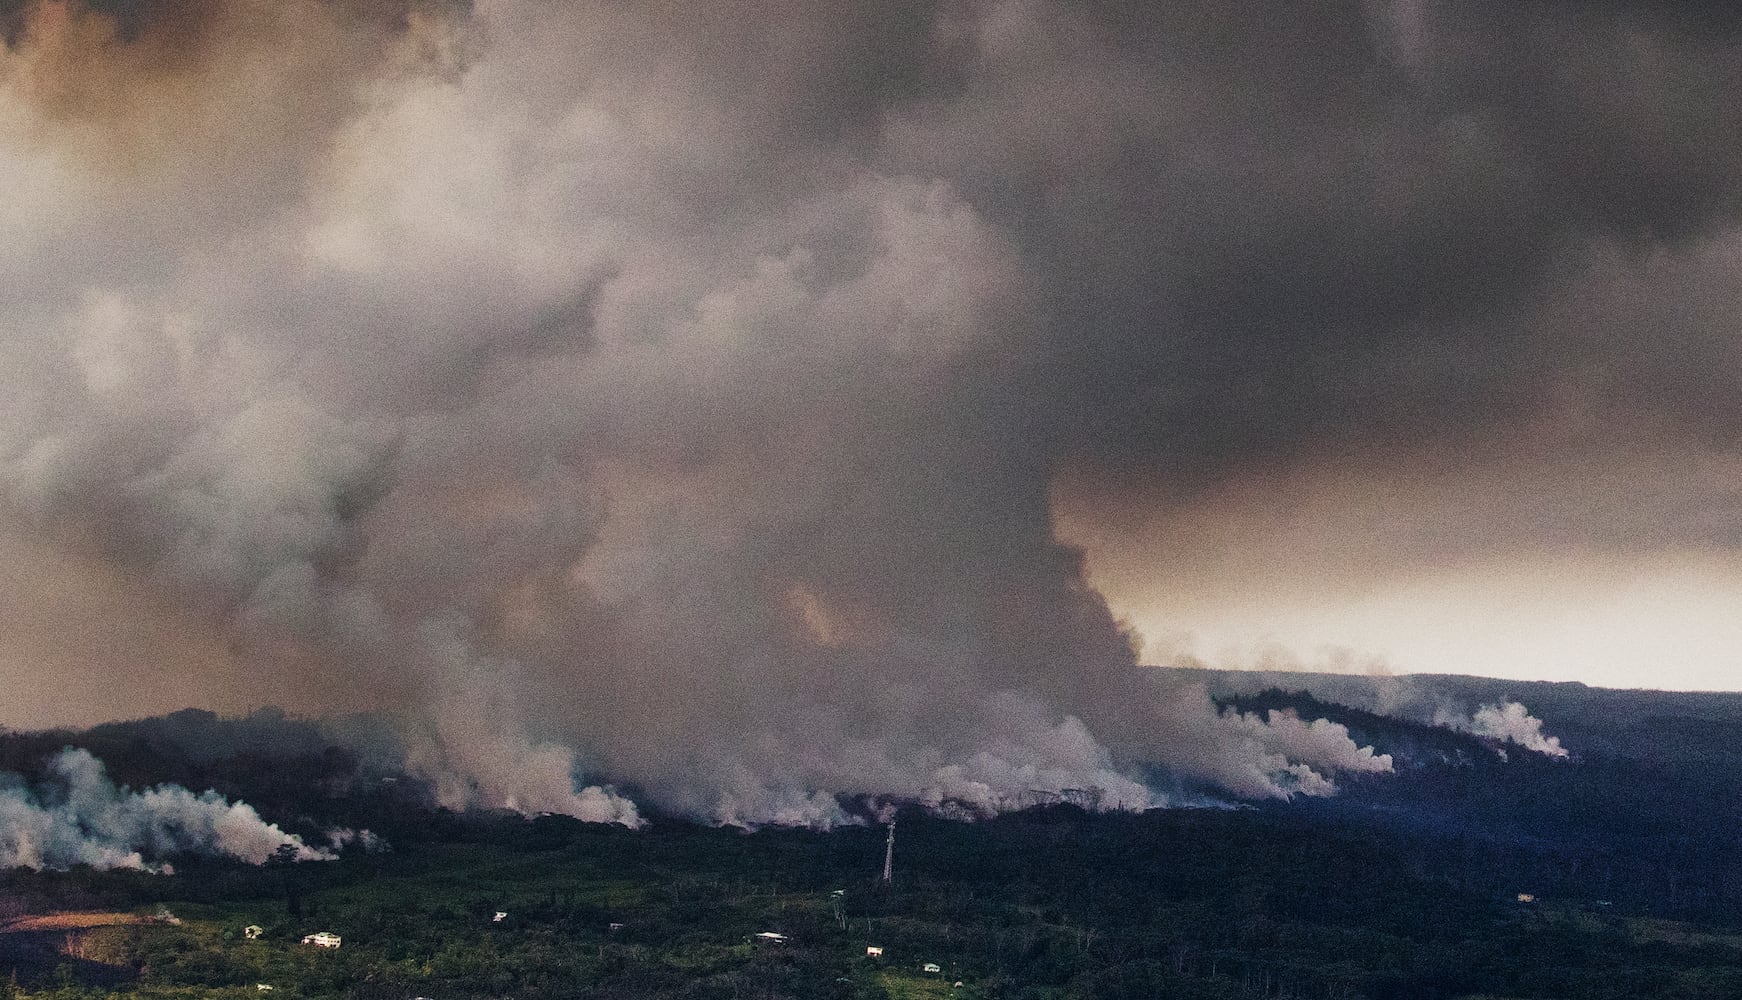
(1310,751)
(1510,722)
(671,397)
(78,817)
(478,754)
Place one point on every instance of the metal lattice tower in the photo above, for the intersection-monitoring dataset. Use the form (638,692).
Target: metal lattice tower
(889,853)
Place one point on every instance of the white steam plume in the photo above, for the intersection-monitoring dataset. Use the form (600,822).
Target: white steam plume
(1298,757)
(78,816)
(340,838)
(1320,745)
(1510,722)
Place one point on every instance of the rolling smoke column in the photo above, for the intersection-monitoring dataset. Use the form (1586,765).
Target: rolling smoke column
(889,852)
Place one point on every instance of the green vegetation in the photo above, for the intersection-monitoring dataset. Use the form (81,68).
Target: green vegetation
(1403,887)
(907,986)
(1050,904)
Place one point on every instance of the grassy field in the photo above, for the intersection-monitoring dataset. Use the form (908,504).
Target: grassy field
(907,986)
(1206,906)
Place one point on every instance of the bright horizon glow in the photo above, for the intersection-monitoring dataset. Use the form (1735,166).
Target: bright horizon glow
(1667,622)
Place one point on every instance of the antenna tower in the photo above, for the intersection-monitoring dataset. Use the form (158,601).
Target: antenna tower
(889,852)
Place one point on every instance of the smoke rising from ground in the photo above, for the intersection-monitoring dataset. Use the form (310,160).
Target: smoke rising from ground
(1509,722)
(477,752)
(78,817)
(1312,749)
(669,403)
(1440,701)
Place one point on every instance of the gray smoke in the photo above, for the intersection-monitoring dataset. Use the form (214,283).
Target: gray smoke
(78,817)
(673,395)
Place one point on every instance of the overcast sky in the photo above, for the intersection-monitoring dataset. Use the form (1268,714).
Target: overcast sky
(865,387)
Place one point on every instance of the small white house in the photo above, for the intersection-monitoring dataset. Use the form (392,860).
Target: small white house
(323,939)
(253,931)
(873,951)
(500,916)
(615,927)
(932,968)
(769,937)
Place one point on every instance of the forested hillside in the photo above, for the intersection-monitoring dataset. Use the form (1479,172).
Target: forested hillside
(1478,869)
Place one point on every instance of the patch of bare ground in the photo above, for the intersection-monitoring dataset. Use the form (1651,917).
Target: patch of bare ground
(69,921)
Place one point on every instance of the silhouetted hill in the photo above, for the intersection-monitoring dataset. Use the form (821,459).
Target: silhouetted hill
(1646,811)
(1665,726)
(1402,886)
(1649,816)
